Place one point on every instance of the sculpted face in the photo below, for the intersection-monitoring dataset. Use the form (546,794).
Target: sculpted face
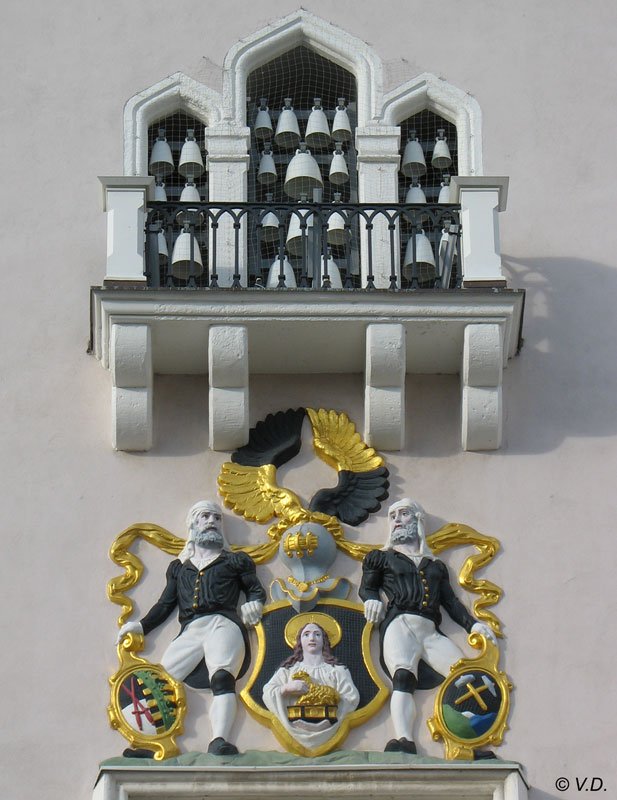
(403,526)
(311,639)
(208,529)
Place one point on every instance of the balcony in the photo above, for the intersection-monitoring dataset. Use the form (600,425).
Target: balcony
(383,289)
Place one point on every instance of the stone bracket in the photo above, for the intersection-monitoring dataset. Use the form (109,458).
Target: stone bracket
(131,394)
(384,394)
(481,374)
(228,370)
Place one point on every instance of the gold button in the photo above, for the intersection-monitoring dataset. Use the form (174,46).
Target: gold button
(425,603)
(421,572)
(194,605)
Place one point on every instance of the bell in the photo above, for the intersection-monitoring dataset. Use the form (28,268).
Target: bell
(337,233)
(160,195)
(441,154)
(191,164)
(266,174)
(263,123)
(161,161)
(162,245)
(190,194)
(287,134)
(415,194)
(317,129)
(413,164)
(302,174)
(294,241)
(274,274)
(333,273)
(341,127)
(339,173)
(181,257)
(425,260)
(444,192)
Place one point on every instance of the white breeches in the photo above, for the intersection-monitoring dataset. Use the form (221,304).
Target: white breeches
(409,638)
(215,638)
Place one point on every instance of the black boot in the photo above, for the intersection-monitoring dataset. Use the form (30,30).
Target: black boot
(401,745)
(138,752)
(219,747)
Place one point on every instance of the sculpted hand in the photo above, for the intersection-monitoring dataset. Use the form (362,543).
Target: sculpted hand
(251,612)
(373,610)
(129,627)
(484,630)
(294,687)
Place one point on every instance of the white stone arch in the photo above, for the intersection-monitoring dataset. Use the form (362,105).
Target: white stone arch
(427,92)
(178,92)
(302,28)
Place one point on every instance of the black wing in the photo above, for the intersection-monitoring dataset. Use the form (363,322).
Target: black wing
(357,495)
(275,440)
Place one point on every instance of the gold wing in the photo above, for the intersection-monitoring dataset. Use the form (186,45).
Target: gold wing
(337,443)
(254,493)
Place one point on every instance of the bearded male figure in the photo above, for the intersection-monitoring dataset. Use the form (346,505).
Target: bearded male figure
(205,583)
(416,586)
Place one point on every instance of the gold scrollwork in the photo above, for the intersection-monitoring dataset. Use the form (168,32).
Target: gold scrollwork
(487,664)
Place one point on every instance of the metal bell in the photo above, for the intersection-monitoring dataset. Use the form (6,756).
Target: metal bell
(425,260)
(163,251)
(441,154)
(274,275)
(302,174)
(160,195)
(317,133)
(181,257)
(333,273)
(339,173)
(341,127)
(413,164)
(337,233)
(161,160)
(294,241)
(190,194)
(444,192)
(415,194)
(266,174)
(287,134)
(191,163)
(263,123)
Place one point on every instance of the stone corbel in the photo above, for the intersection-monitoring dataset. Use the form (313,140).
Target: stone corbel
(481,200)
(125,200)
(131,373)
(228,370)
(384,397)
(481,374)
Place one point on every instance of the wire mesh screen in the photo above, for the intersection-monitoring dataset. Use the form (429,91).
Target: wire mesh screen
(426,125)
(176,127)
(298,95)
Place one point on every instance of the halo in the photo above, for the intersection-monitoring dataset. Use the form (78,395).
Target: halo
(325,621)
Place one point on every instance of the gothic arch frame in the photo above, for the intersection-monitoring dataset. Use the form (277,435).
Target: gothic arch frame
(178,92)
(427,92)
(302,28)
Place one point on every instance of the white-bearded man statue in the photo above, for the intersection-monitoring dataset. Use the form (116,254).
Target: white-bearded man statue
(205,583)
(416,586)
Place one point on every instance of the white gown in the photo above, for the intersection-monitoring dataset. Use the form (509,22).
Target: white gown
(311,734)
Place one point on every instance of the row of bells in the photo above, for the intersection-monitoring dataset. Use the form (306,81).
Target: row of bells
(181,255)
(303,173)
(413,162)
(317,133)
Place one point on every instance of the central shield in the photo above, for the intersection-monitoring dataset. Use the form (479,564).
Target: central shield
(310,708)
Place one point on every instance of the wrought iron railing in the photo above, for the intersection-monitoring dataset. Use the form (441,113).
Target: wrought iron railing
(303,246)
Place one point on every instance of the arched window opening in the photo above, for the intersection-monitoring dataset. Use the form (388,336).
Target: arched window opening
(292,102)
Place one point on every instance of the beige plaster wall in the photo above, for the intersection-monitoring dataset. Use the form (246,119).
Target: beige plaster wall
(544,75)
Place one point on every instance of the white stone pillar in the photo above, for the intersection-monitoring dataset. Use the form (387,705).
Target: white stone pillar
(228,369)
(378,164)
(131,374)
(227,145)
(481,402)
(384,394)
(125,200)
(481,200)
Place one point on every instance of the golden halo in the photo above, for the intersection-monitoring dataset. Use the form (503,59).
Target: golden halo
(325,621)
